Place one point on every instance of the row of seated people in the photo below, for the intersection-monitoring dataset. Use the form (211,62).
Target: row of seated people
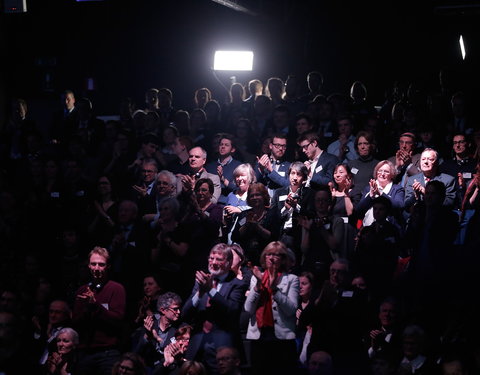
(240,319)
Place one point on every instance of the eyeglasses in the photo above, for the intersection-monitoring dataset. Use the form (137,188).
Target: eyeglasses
(382,171)
(279,145)
(174,309)
(304,147)
(148,171)
(459,142)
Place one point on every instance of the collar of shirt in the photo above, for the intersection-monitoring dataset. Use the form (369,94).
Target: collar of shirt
(386,189)
(415,363)
(226,162)
(314,160)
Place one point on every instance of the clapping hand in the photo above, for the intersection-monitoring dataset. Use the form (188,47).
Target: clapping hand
(373,188)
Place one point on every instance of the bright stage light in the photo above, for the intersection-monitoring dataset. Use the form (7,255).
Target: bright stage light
(233,60)
(462,47)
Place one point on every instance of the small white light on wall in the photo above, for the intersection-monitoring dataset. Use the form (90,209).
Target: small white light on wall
(462,47)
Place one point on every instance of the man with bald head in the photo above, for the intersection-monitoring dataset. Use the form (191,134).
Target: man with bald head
(415,188)
(197,158)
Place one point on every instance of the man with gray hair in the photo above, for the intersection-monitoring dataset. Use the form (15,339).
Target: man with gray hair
(165,187)
(415,188)
(159,329)
(197,158)
(214,307)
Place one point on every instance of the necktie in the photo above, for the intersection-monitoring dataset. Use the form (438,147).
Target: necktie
(208,325)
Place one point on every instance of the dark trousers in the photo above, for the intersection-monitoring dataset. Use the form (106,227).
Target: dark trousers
(98,362)
(273,356)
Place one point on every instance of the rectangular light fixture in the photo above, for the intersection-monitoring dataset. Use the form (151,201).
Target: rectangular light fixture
(233,60)
(462,47)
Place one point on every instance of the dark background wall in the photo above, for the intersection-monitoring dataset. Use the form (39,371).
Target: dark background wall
(129,46)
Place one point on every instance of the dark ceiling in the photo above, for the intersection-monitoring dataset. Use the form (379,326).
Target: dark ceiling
(128,46)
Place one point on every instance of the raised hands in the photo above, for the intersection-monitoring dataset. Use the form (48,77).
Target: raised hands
(265,163)
(88,295)
(373,188)
(205,282)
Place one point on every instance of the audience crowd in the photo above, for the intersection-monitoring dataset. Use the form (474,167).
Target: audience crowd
(276,232)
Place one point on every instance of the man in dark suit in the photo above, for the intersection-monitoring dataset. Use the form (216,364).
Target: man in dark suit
(415,189)
(320,164)
(225,165)
(271,170)
(214,308)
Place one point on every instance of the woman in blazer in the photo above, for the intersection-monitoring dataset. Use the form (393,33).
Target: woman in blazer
(272,304)
(383,185)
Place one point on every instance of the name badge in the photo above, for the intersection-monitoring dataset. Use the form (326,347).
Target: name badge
(318,169)
(347,293)
(354,170)
(55,194)
(282,173)
(282,198)
(243,221)
(345,219)
(467,175)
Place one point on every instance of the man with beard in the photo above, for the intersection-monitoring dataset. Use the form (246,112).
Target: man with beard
(271,170)
(97,315)
(214,308)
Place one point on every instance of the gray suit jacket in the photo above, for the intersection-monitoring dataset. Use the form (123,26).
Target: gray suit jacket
(446,179)
(284,305)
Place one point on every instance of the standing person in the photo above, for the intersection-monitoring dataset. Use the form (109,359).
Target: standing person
(97,314)
(320,164)
(382,186)
(272,304)
(362,167)
(214,306)
(415,188)
(225,165)
(243,177)
(345,198)
(157,332)
(407,163)
(288,202)
(197,158)
(271,170)
(254,228)
(343,147)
